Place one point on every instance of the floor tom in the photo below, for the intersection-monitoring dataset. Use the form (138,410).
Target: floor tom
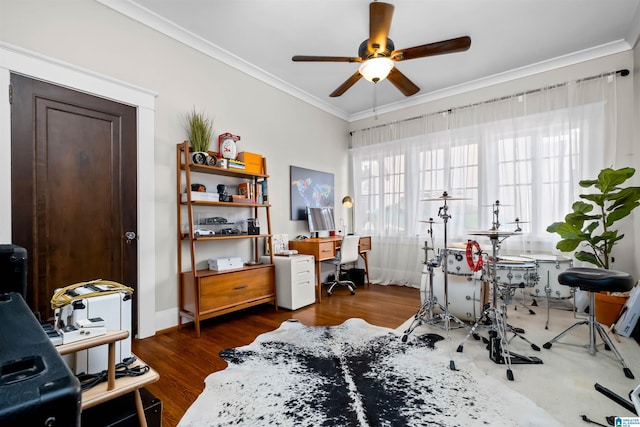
(549,267)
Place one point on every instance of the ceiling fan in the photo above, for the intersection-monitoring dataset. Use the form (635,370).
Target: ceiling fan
(378,56)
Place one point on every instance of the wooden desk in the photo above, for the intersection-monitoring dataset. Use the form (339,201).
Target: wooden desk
(324,248)
(113,388)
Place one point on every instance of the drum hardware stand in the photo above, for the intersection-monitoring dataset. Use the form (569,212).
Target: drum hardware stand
(446,315)
(495,316)
(425,314)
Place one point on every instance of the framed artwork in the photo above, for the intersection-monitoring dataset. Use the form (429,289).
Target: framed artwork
(309,188)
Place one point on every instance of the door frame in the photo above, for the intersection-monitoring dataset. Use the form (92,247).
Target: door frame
(21,61)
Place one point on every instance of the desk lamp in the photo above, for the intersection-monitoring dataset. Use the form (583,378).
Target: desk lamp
(347,202)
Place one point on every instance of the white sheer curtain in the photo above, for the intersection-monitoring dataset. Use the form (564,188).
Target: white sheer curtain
(526,152)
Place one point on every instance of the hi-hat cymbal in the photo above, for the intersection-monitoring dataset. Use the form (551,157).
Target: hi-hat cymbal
(430,221)
(517,221)
(495,204)
(445,196)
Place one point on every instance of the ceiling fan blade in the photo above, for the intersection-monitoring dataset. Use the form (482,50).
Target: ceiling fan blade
(380,15)
(310,58)
(346,85)
(402,82)
(459,44)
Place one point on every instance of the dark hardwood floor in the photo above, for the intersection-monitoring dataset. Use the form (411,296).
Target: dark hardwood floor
(184,361)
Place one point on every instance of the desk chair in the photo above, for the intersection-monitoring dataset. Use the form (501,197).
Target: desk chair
(594,280)
(348,254)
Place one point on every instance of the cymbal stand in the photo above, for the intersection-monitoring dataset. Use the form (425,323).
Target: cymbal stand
(425,314)
(496,214)
(445,317)
(495,318)
(495,315)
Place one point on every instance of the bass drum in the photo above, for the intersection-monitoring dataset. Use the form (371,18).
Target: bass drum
(468,295)
(549,267)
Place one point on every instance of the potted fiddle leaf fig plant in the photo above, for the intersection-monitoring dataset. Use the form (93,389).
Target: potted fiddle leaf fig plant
(595,229)
(591,224)
(199,128)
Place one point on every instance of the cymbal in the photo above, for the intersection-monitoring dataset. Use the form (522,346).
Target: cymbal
(518,222)
(445,198)
(493,233)
(430,221)
(495,204)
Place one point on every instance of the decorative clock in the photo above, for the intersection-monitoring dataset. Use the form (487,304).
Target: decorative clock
(227,146)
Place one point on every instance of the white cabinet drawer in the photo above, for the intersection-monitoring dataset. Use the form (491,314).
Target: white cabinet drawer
(295,280)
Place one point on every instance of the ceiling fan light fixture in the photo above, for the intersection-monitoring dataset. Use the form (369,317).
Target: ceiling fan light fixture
(376,69)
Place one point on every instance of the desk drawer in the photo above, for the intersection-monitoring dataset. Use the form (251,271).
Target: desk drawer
(326,250)
(223,290)
(365,244)
(320,249)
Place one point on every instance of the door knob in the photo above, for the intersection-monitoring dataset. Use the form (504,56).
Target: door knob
(129,235)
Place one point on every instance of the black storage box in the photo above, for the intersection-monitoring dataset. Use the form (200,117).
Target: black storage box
(356,275)
(13,269)
(36,386)
(121,411)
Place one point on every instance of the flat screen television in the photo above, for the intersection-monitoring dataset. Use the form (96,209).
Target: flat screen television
(320,219)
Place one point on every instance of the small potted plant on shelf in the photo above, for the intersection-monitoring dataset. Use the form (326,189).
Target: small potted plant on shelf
(200,131)
(594,230)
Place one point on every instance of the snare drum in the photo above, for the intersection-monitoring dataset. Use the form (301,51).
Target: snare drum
(549,267)
(516,272)
(467,295)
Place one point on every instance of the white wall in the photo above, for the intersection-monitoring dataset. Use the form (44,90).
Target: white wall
(285,130)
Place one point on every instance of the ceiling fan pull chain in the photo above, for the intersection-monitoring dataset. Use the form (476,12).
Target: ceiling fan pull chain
(375,100)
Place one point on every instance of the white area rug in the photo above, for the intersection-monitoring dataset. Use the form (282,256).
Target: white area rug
(355,374)
(564,384)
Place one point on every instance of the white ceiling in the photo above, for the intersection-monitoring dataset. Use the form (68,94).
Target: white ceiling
(510,38)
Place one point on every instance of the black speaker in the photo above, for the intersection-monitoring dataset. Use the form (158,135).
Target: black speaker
(13,269)
(37,388)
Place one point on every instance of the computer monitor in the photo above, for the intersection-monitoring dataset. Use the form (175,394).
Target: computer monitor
(320,219)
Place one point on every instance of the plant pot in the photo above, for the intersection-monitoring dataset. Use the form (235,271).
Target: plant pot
(608,308)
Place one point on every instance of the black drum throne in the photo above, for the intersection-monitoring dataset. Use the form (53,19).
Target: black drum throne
(594,280)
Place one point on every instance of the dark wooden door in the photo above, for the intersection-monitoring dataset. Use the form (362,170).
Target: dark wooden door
(73,188)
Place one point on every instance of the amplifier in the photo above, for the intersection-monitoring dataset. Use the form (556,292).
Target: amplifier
(13,269)
(36,387)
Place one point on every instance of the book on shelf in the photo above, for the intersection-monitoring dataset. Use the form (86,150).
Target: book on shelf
(235,164)
(262,183)
(244,189)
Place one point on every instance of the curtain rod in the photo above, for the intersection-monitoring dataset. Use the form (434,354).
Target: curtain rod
(624,72)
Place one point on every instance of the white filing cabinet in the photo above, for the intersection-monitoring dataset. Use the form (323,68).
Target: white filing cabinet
(295,280)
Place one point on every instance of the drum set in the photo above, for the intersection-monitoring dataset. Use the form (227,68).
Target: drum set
(469,283)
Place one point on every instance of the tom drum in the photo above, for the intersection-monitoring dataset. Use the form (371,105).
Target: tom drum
(549,267)
(516,272)
(457,261)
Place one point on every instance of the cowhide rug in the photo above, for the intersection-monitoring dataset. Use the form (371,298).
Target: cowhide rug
(354,374)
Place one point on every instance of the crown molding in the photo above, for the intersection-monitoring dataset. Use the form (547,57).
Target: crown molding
(162,25)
